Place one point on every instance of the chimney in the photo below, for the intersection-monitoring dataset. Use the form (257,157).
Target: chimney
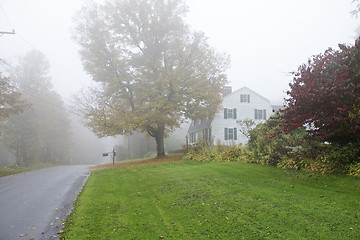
(227,90)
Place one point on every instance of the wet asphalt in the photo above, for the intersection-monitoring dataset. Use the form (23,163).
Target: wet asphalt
(34,205)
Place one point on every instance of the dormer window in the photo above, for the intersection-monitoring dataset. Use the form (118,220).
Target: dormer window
(244,98)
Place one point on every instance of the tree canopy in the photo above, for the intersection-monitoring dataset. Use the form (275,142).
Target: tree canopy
(325,96)
(10,99)
(41,132)
(151,70)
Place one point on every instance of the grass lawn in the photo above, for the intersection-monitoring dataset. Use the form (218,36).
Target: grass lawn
(233,200)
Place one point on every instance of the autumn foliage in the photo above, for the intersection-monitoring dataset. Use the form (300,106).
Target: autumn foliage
(324,96)
(10,100)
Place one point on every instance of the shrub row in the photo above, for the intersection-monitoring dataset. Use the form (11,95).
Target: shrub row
(326,160)
(296,150)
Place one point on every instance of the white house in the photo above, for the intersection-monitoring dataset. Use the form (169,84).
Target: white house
(223,128)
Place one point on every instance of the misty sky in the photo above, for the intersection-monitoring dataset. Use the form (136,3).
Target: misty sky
(265,39)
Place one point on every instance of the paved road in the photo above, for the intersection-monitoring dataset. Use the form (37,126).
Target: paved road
(33,205)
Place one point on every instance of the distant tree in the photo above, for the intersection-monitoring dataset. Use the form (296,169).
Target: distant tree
(356,11)
(135,146)
(10,100)
(325,96)
(41,133)
(152,70)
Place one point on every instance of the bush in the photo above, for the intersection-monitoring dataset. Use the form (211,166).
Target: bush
(298,151)
(354,169)
(218,153)
(324,158)
(270,146)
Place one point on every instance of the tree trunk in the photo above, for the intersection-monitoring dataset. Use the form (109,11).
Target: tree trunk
(159,138)
(18,156)
(160,146)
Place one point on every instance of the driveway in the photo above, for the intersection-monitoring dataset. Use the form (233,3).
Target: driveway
(33,205)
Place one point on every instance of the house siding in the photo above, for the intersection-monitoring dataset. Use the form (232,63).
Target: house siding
(241,111)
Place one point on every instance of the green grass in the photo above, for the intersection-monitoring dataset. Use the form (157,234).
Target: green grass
(233,200)
(5,171)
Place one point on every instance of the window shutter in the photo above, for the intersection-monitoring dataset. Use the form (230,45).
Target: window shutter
(225,113)
(264,113)
(234,113)
(256,114)
(235,133)
(248,98)
(226,134)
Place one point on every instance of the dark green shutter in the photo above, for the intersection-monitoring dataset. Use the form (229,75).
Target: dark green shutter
(235,133)
(234,113)
(226,134)
(225,113)
(256,114)
(264,113)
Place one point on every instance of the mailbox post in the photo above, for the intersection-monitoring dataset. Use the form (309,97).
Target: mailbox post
(113,154)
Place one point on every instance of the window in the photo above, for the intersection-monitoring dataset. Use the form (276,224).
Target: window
(207,133)
(230,133)
(229,113)
(192,137)
(244,98)
(260,114)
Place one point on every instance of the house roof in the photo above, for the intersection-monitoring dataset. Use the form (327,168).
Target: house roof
(203,125)
(247,89)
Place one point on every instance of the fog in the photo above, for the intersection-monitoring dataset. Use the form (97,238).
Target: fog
(265,39)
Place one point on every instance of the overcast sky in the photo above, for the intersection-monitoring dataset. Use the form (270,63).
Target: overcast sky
(265,39)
